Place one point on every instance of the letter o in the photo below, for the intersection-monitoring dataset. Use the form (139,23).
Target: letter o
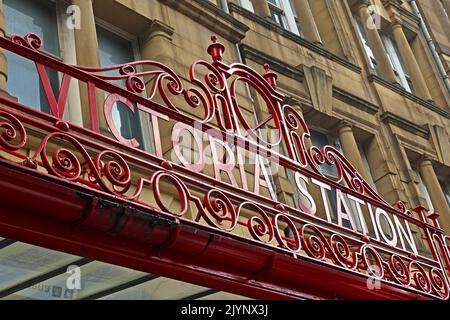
(392,242)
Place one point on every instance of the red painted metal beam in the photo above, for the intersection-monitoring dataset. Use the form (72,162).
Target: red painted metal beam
(103,228)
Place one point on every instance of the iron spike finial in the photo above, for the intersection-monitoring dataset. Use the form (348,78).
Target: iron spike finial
(270,76)
(216,49)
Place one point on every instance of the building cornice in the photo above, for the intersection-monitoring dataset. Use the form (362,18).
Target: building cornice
(269,24)
(159,28)
(357,121)
(410,96)
(407,125)
(355,101)
(409,19)
(275,64)
(298,74)
(210,16)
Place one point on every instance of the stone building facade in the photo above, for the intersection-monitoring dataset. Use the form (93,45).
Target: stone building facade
(370,78)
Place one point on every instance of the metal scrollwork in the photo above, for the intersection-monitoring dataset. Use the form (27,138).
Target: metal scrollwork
(13,135)
(107,169)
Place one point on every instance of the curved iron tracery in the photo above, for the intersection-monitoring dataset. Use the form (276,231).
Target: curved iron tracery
(110,170)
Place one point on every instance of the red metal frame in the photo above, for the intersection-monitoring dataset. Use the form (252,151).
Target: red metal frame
(90,205)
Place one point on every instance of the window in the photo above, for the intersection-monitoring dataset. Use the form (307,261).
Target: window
(114,50)
(393,55)
(396,62)
(367,49)
(445,185)
(247,4)
(296,18)
(362,152)
(277,12)
(424,192)
(39,17)
(282,13)
(219,4)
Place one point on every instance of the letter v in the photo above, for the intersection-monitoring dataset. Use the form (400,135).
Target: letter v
(56,107)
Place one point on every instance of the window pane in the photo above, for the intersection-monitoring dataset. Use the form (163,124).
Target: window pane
(396,61)
(366,166)
(24,83)
(115,50)
(446,189)
(247,4)
(277,18)
(39,17)
(292,17)
(365,41)
(275,2)
(424,192)
(399,57)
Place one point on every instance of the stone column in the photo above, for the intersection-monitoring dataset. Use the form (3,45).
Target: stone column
(350,148)
(88,55)
(156,44)
(86,37)
(378,49)
(3,62)
(261,8)
(307,22)
(435,191)
(420,85)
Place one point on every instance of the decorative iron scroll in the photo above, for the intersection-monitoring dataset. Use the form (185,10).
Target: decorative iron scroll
(95,162)
(218,100)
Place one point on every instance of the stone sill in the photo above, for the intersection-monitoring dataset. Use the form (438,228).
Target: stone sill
(297,73)
(407,125)
(210,16)
(276,65)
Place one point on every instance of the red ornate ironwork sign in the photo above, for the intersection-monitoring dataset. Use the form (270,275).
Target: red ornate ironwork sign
(356,243)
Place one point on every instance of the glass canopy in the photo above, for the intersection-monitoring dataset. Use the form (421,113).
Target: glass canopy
(28,272)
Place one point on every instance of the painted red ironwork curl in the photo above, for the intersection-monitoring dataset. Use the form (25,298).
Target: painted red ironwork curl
(31,41)
(13,136)
(83,158)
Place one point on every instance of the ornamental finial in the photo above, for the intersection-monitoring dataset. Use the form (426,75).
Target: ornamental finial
(216,49)
(420,210)
(434,217)
(270,76)
(30,41)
